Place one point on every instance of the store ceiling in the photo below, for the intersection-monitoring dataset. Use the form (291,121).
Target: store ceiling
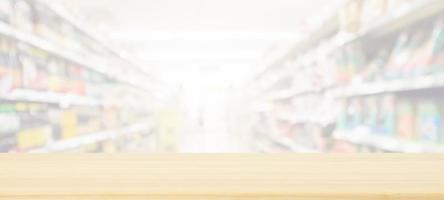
(178,33)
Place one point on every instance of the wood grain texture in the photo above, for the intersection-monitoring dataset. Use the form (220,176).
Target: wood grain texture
(222,176)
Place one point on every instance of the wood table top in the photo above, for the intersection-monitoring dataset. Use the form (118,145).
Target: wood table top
(222,176)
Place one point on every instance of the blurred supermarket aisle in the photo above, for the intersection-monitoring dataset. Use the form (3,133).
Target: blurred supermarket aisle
(184,76)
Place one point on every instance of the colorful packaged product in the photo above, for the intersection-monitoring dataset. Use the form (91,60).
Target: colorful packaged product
(418,60)
(35,130)
(406,121)
(399,57)
(69,124)
(370,112)
(355,111)
(429,120)
(33,63)
(9,126)
(387,116)
(436,46)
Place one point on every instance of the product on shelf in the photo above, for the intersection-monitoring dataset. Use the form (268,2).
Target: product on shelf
(341,68)
(28,69)
(69,124)
(56,73)
(429,122)
(388,115)
(418,60)
(376,113)
(9,126)
(401,118)
(33,137)
(399,67)
(10,74)
(54,114)
(95,84)
(435,46)
(399,57)
(416,53)
(35,130)
(342,116)
(355,111)
(351,60)
(89,120)
(418,50)
(75,82)
(375,68)
(370,111)
(110,118)
(406,120)
(33,63)
(356,60)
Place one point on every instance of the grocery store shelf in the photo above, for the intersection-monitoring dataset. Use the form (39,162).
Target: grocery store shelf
(68,17)
(328,27)
(91,138)
(370,88)
(62,13)
(402,85)
(50,97)
(363,136)
(55,49)
(45,45)
(416,11)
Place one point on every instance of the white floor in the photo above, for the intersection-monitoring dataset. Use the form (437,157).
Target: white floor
(207,129)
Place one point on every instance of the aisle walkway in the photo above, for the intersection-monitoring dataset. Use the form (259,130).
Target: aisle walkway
(208,131)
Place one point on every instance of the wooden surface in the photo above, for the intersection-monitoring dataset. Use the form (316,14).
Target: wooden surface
(222,177)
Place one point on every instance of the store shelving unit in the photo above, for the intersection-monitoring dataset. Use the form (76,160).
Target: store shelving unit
(51,97)
(433,81)
(91,80)
(332,39)
(50,47)
(92,138)
(391,144)
(64,14)
(404,16)
(55,49)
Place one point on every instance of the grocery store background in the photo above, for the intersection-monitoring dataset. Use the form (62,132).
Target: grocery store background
(207,76)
